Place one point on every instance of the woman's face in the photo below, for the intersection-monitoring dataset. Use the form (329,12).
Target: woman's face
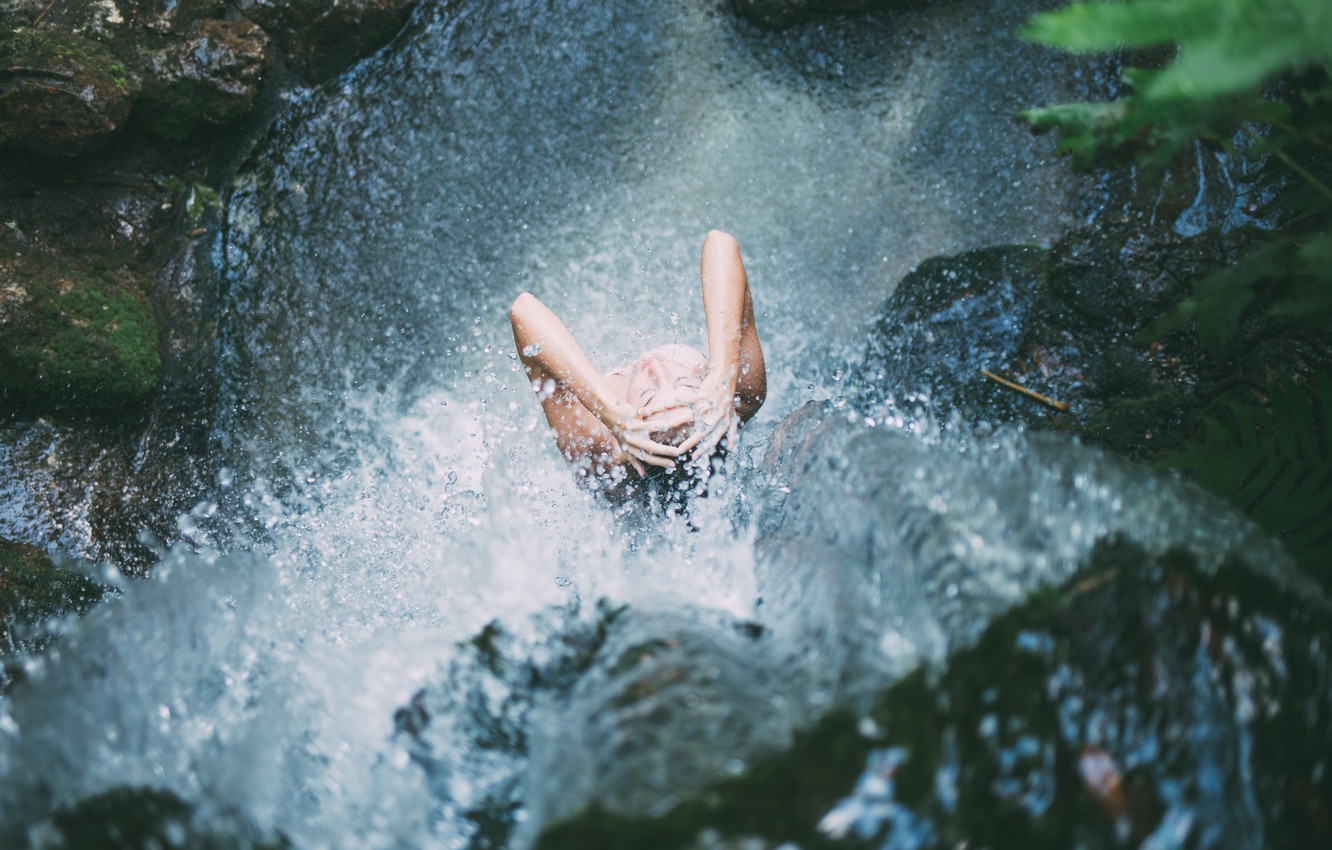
(665,376)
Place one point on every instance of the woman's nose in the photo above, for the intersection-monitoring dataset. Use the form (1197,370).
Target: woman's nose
(655,369)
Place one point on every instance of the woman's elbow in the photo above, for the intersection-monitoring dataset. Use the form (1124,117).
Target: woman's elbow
(719,237)
(521,303)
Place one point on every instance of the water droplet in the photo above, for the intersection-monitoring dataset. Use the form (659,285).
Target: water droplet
(532,349)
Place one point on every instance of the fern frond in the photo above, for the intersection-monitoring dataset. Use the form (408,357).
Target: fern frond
(1275,465)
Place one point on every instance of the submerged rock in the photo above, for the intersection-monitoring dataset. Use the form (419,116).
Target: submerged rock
(1146,701)
(149,819)
(776,14)
(60,94)
(73,338)
(672,703)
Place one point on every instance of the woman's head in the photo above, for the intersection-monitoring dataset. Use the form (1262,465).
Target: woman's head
(665,376)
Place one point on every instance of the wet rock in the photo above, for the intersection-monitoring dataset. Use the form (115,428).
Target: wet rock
(946,322)
(211,78)
(317,36)
(776,14)
(33,590)
(627,713)
(469,732)
(148,819)
(1066,325)
(74,338)
(1145,701)
(60,94)
(673,703)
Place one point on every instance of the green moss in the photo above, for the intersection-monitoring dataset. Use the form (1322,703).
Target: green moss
(79,341)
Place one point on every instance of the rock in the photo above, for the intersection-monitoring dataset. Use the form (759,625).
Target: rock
(948,320)
(776,14)
(148,818)
(318,37)
(626,712)
(673,703)
(1145,698)
(1064,324)
(16,14)
(210,78)
(60,94)
(73,339)
(33,590)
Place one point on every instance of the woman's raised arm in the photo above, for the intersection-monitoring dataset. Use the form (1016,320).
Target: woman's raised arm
(736,383)
(589,421)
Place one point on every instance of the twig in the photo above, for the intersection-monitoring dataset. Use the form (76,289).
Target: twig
(1043,399)
(43,14)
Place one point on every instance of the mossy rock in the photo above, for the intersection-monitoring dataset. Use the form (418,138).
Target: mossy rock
(1146,696)
(73,339)
(60,93)
(209,78)
(149,819)
(33,590)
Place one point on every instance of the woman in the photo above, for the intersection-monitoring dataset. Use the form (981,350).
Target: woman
(672,405)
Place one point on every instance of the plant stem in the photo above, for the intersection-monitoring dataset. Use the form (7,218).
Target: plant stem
(1290,163)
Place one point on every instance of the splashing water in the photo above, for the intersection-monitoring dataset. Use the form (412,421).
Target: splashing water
(383,453)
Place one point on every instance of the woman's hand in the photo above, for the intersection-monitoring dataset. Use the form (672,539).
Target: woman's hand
(712,409)
(632,427)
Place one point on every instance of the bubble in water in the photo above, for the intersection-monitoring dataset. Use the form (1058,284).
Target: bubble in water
(532,349)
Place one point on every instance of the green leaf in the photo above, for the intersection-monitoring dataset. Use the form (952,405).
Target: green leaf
(170,183)
(1095,27)
(200,200)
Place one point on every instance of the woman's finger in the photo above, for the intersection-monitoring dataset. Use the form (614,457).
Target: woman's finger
(639,442)
(664,405)
(712,436)
(693,440)
(663,462)
(672,420)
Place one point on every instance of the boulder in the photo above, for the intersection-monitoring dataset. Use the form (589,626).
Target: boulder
(33,590)
(317,36)
(74,339)
(946,322)
(129,818)
(777,14)
(71,74)
(61,94)
(1066,324)
(209,77)
(1147,700)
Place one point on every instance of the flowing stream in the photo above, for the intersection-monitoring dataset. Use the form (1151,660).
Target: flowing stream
(387,487)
